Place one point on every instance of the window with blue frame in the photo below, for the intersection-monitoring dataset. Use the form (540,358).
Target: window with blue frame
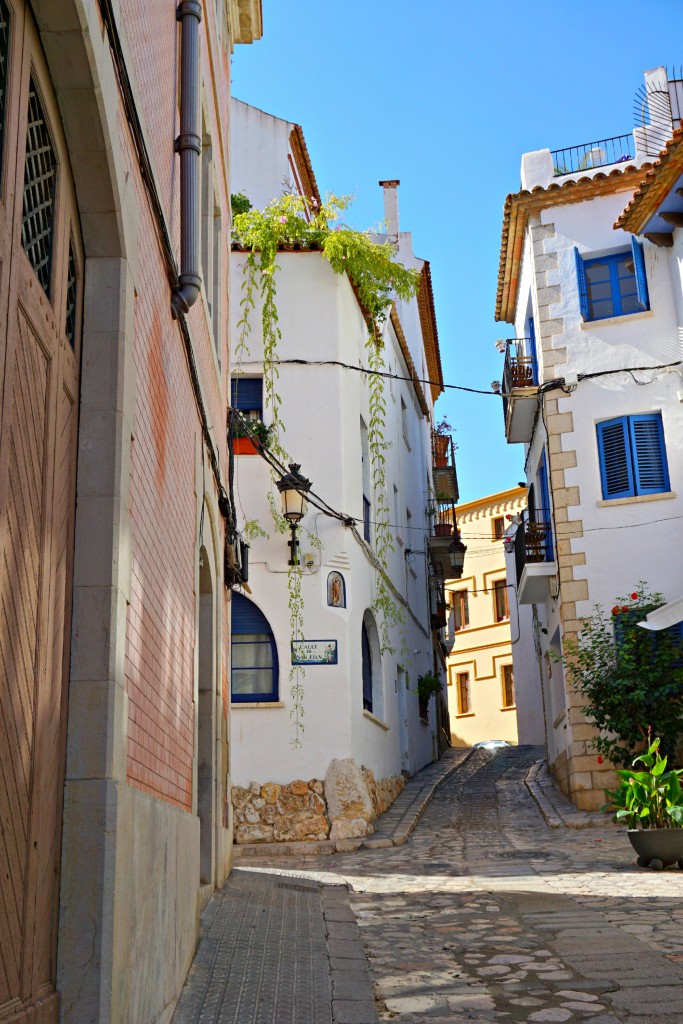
(612,285)
(648,644)
(254,662)
(632,456)
(246,394)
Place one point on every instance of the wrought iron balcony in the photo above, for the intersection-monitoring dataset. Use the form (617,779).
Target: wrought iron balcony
(443,467)
(534,556)
(446,550)
(520,390)
(589,155)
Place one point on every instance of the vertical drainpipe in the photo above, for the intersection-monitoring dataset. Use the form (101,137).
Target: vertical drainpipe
(189,146)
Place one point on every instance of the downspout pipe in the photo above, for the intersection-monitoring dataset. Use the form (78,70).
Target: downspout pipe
(189,146)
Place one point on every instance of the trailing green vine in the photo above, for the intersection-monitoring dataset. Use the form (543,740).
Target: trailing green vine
(377,279)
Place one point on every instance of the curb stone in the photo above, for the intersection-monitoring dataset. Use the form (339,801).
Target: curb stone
(556,809)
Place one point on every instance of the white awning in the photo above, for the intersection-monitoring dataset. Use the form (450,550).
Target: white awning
(668,615)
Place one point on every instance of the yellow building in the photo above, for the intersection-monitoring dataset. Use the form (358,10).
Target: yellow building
(481,687)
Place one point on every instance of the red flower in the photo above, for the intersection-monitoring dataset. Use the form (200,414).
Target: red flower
(600,759)
(624,607)
(616,610)
(634,597)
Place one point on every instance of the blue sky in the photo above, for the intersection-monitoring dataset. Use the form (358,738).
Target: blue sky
(446,96)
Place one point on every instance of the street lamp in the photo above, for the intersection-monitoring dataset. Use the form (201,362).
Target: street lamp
(293,487)
(456,553)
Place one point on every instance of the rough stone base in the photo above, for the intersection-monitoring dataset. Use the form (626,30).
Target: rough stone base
(581,782)
(341,808)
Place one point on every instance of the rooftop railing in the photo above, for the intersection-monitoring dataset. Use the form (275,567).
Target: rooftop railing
(589,155)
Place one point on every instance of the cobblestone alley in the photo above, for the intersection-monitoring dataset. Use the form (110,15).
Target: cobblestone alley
(486,914)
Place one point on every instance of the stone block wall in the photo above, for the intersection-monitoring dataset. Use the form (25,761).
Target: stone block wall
(313,810)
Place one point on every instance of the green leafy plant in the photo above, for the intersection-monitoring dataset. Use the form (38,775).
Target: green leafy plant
(239,203)
(631,678)
(254,428)
(648,797)
(377,278)
(427,685)
(443,427)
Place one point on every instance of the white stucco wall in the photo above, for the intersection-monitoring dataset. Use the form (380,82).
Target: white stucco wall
(322,407)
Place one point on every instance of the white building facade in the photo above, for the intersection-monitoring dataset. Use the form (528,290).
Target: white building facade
(359,703)
(592,388)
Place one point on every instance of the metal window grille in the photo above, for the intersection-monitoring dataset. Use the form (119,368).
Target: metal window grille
(40,174)
(4,61)
(71,297)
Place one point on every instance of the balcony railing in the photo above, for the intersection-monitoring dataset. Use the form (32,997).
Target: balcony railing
(533,541)
(443,467)
(585,157)
(519,370)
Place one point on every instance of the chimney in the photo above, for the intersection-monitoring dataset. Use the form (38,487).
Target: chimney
(391,208)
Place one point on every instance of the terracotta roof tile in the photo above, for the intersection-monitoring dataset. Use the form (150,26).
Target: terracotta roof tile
(519,206)
(655,186)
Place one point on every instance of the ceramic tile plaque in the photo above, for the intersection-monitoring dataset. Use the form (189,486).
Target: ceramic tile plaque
(314,652)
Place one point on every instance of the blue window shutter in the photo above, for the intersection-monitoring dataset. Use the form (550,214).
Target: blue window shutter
(366,657)
(532,346)
(246,618)
(641,277)
(583,287)
(246,394)
(649,454)
(615,461)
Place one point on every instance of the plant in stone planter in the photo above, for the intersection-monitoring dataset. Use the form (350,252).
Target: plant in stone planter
(650,801)
(427,685)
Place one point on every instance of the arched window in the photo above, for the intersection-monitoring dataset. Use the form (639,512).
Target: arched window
(254,664)
(366,655)
(371,662)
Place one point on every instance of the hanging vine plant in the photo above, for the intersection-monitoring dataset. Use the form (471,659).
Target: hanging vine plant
(377,278)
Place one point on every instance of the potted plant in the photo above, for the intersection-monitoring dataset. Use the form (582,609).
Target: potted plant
(427,686)
(441,440)
(243,443)
(650,801)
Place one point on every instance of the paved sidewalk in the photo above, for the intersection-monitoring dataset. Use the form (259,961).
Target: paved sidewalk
(277,950)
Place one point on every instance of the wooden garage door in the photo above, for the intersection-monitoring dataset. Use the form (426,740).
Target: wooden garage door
(41,264)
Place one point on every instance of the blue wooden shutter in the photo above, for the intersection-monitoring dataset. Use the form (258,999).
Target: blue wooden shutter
(641,277)
(532,346)
(246,394)
(649,454)
(367,669)
(583,287)
(615,461)
(546,516)
(246,618)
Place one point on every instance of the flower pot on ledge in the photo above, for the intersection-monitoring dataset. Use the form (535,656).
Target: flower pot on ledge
(243,446)
(442,529)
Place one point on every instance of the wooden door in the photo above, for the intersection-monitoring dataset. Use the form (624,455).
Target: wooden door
(41,262)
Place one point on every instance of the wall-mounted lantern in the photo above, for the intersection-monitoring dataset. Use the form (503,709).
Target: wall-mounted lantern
(293,487)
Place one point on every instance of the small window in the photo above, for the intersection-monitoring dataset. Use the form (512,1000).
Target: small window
(367,525)
(461,611)
(366,658)
(254,662)
(632,456)
(500,601)
(612,285)
(498,527)
(508,683)
(246,394)
(4,62)
(462,680)
(40,179)
(404,423)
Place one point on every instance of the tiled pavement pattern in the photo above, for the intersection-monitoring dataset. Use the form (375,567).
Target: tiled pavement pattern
(488,915)
(278,950)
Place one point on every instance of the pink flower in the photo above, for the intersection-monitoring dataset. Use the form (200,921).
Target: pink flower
(600,759)
(616,610)
(283,220)
(624,607)
(634,597)
(314,201)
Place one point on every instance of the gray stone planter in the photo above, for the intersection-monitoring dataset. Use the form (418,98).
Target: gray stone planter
(657,847)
